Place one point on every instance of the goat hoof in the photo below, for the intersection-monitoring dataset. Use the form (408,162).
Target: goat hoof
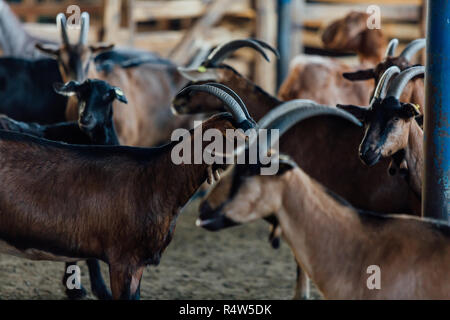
(102,293)
(76,294)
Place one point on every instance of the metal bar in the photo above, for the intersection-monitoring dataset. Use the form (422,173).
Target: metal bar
(436,186)
(284,38)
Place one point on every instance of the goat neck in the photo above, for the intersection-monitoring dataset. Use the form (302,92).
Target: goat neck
(322,234)
(414,158)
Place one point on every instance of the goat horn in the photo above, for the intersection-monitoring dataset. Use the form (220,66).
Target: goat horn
(84,28)
(239,112)
(412,48)
(222,52)
(290,113)
(233,94)
(380,90)
(61,19)
(392,46)
(399,83)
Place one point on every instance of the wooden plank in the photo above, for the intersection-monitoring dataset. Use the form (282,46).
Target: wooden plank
(378,2)
(52,9)
(266,30)
(50,31)
(163,42)
(183,52)
(155,10)
(111,19)
(323,13)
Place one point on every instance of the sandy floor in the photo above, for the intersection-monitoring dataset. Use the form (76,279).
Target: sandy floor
(237,263)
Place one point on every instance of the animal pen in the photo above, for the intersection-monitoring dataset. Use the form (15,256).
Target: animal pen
(99,97)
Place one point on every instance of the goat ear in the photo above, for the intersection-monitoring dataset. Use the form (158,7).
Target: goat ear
(358,112)
(119,95)
(48,49)
(100,47)
(410,110)
(68,89)
(359,75)
(285,164)
(199,74)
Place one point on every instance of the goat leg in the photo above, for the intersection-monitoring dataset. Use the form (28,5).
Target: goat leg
(98,286)
(125,281)
(72,294)
(302,290)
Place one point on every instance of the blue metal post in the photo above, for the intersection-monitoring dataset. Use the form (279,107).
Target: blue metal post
(284,39)
(436,187)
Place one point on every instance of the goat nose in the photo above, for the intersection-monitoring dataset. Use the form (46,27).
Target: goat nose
(86,120)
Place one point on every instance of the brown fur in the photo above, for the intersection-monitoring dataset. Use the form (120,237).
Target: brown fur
(350,34)
(121,206)
(335,244)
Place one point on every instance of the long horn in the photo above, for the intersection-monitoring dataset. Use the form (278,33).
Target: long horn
(222,52)
(380,90)
(412,48)
(238,112)
(392,46)
(290,113)
(400,82)
(84,32)
(233,94)
(61,20)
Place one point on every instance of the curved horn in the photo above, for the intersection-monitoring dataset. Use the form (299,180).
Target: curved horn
(238,112)
(380,90)
(412,48)
(392,46)
(399,83)
(84,32)
(222,52)
(61,20)
(233,94)
(290,113)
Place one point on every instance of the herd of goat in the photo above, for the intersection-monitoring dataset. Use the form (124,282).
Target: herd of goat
(86,170)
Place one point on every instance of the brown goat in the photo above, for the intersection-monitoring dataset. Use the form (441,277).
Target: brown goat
(336,244)
(391,130)
(328,144)
(333,242)
(350,34)
(320,78)
(121,207)
(147,121)
(415,90)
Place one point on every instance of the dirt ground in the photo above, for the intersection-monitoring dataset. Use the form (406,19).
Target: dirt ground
(237,263)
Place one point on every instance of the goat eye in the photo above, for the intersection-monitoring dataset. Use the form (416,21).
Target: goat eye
(396,119)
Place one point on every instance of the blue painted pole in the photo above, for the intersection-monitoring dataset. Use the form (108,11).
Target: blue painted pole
(436,186)
(284,39)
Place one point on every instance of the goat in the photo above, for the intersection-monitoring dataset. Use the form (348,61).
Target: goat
(329,144)
(122,205)
(350,34)
(333,242)
(150,87)
(95,126)
(415,91)
(320,78)
(391,130)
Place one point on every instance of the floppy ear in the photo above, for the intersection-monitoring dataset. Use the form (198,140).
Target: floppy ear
(119,95)
(68,89)
(199,74)
(358,112)
(49,49)
(100,47)
(359,75)
(410,110)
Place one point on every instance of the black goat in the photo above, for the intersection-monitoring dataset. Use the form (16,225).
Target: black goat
(95,126)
